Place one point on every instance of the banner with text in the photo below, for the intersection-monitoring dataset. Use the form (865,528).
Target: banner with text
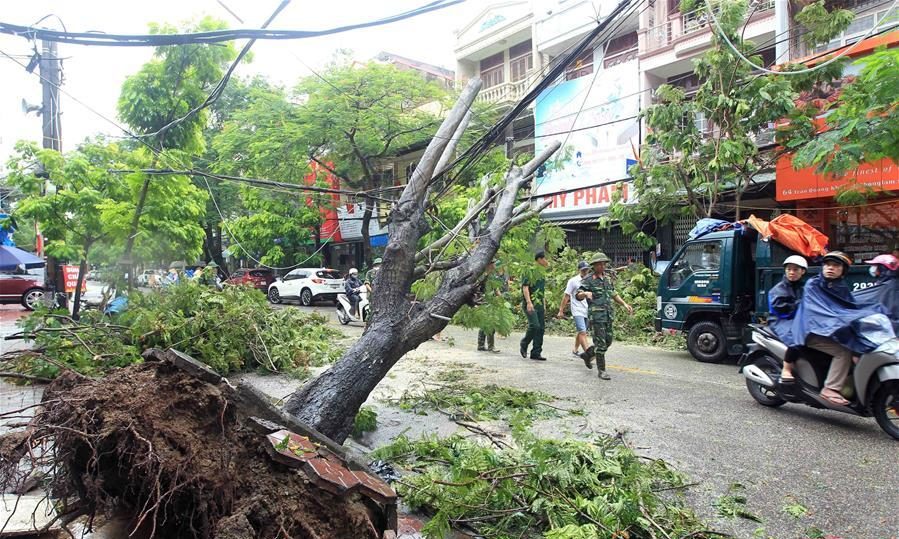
(598,143)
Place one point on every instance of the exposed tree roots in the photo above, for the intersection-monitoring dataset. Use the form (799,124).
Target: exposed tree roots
(176,456)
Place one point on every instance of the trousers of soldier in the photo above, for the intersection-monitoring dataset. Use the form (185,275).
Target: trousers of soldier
(601,327)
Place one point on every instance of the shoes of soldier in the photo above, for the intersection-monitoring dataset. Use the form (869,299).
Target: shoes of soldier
(603,375)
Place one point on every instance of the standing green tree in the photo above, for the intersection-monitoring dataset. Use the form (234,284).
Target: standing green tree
(702,147)
(263,139)
(166,88)
(355,115)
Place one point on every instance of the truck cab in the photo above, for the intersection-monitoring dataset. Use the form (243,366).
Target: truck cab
(718,283)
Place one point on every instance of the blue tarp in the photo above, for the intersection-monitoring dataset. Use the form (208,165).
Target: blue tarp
(704,226)
(828,309)
(885,294)
(12,257)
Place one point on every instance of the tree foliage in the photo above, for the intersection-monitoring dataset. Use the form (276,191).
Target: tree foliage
(177,79)
(355,115)
(860,126)
(264,139)
(89,208)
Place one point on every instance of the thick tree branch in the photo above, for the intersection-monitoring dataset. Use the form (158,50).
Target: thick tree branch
(473,214)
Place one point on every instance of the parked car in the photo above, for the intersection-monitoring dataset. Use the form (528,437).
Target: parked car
(143,279)
(25,289)
(307,285)
(258,278)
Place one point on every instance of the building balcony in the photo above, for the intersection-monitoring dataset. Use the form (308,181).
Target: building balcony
(507,92)
(660,36)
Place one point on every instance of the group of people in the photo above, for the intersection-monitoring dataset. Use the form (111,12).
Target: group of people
(819,313)
(590,296)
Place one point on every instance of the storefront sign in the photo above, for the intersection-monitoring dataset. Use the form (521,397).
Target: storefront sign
(350,218)
(594,118)
(806,183)
(71,276)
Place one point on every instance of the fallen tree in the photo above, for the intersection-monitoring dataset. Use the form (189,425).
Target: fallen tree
(400,322)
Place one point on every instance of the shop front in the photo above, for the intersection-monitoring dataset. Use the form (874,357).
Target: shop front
(863,230)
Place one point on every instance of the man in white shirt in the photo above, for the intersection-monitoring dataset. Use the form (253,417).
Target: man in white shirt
(578,308)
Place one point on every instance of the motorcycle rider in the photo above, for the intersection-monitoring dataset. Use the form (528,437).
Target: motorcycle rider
(783,301)
(353,286)
(823,318)
(885,291)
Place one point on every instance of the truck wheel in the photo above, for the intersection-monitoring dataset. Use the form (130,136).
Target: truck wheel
(707,343)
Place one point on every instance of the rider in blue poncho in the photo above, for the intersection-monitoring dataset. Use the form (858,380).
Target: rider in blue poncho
(885,291)
(783,301)
(830,320)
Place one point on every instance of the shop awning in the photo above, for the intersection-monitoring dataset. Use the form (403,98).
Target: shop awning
(585,221)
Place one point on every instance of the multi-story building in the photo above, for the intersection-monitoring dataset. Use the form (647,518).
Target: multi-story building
(593,108)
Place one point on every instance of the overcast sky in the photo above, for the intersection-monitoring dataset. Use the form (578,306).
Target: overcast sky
(95,74)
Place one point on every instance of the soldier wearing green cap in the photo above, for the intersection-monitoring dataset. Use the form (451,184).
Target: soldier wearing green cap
(370,274)
(599,292)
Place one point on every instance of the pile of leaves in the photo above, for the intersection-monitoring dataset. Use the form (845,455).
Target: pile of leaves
(230,330)
(638,286)
(557,489)
(462,401)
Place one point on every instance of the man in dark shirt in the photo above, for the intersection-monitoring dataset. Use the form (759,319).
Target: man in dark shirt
(353,286)
(533,289)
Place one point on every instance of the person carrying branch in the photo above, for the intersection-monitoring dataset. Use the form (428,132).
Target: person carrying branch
(599,292)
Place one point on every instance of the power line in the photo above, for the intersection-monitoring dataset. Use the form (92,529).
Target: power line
(727,40)
(216,36)
(220,87)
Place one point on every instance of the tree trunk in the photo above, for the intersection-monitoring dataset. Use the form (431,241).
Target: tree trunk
(76,302)
(135,222)
(399,322)
(366,233)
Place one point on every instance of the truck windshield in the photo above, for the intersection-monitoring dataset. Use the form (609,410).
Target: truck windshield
(698,256)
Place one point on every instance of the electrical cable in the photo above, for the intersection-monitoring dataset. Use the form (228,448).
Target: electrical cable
(216,36)
(481,146)
(742,57)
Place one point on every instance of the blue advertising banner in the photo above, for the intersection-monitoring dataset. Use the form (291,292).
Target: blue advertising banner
(594,117)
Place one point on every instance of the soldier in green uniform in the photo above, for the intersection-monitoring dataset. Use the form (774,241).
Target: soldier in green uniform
(370,274)
(533,292)
(599,292)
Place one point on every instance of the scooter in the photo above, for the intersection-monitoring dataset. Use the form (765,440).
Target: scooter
(872,388)
(344,307)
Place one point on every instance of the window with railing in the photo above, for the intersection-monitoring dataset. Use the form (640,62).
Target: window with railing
(621,49)
(521,60)
(581,67)
(860,26)
(492,70)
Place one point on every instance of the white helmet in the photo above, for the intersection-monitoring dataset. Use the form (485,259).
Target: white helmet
(354,271)
(797,260)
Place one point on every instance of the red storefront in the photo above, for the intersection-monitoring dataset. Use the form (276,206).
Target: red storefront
(865,229)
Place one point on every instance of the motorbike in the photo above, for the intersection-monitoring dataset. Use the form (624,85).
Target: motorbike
(872,387)
(344,307)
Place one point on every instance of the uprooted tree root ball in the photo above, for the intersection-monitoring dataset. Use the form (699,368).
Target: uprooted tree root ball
(173,454)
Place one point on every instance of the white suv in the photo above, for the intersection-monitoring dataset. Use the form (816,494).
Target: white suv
(307,285)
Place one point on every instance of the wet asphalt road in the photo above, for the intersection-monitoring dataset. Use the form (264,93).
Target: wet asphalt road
(700,418)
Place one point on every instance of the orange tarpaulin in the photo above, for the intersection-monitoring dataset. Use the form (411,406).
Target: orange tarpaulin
(791,232)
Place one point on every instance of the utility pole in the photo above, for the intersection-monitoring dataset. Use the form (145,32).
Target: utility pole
(50,115)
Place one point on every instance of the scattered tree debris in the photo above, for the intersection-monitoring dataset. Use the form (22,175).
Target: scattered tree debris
(558,489)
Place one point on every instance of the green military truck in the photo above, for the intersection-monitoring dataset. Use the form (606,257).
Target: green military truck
(718,283)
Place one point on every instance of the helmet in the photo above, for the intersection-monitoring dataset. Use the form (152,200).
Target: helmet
(599,257)
(890,262)
(796,260)
(354,271)
(377,261)
(838,256)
